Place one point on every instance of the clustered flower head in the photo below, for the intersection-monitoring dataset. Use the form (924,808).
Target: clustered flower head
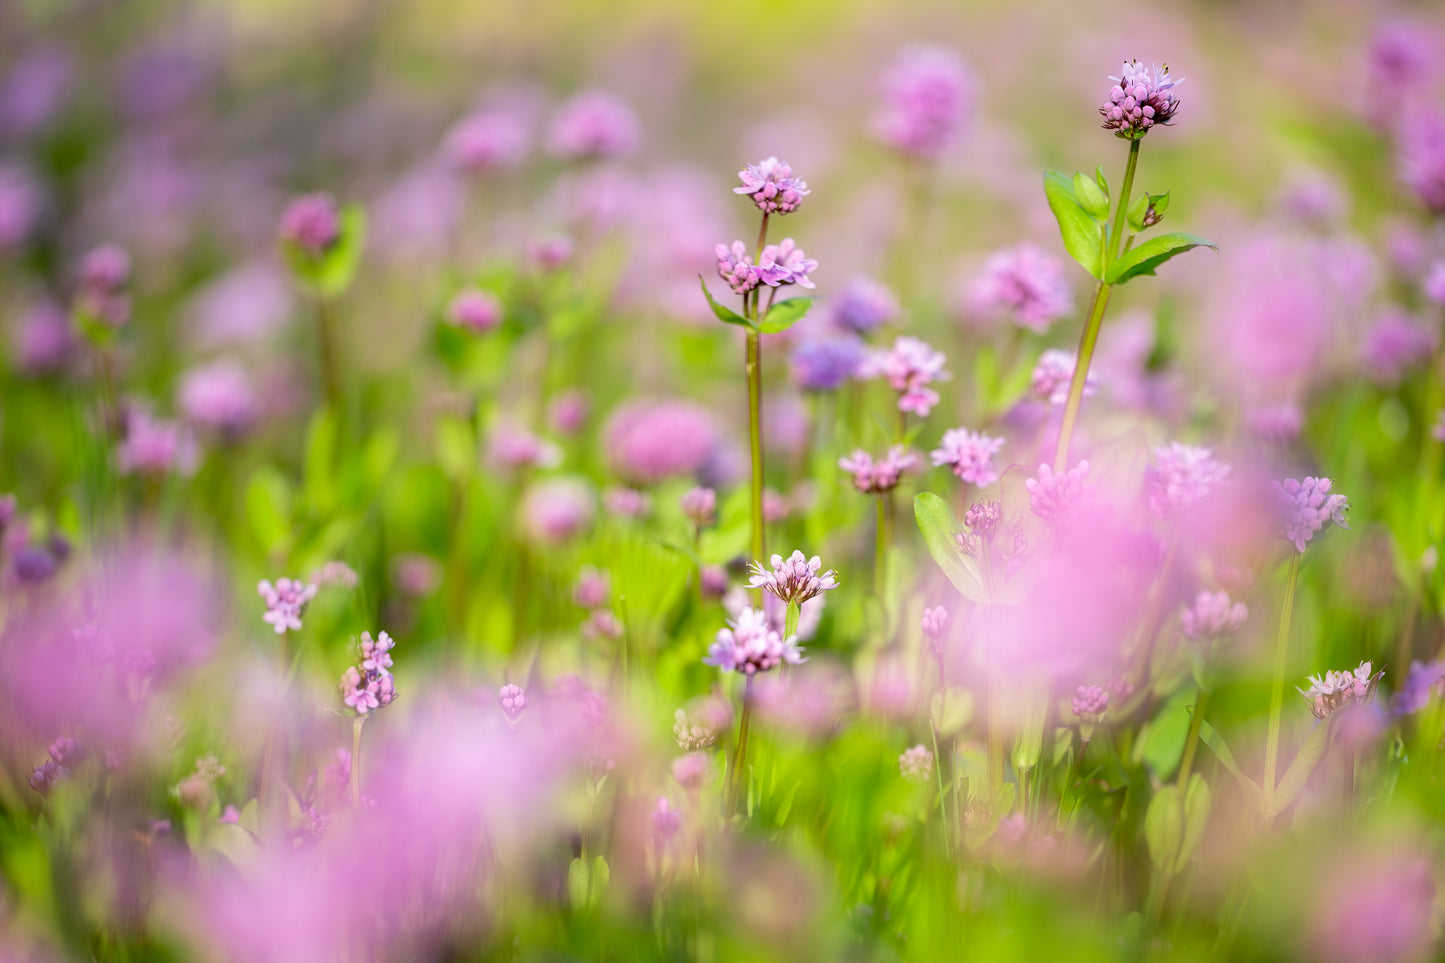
(1424,680)
(779,264)
(934,622)
(1308,506)
(219,396)
(749,644)
(101,294)
(284,602)
(336,574)
(882,475)
(1181,476)
(863,306)
(476,310)
(44,777)
(1053,496)
(969,454)
(666,821)
(980,523)
(927,94)
(486,141)
(155,446)
(312,223)
(916,763)
(910,366)
(825,362)
(794,579)
(514,701)
(1052,375)
(700,506)
(693,732)
(1140,98)
(772,186)
(1025,283)
(1336,690)
(593,124)
(1422,158)
(1212,616)
(368,685)
(1089,702)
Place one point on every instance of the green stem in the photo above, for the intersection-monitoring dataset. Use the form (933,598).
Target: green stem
(330,359)
(942,794)
(790,624)
(1067,793)
(880,545)
(1276,696)
(755,441)
(740,753)
(1191,741)
(1122,211)
(356,725)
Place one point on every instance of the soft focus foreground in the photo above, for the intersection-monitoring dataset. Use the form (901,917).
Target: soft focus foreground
(1023,546)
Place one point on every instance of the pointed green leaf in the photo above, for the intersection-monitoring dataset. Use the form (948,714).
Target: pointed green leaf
(1099,179)
(1093,200)
(939,528)
(1215,742)
(722,313)
(1297,776)
(784,314)
(1079,231)
(1137,210)
(1147,257)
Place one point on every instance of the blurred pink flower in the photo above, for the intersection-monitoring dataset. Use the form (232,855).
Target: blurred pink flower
(648,441)
(486,141)
(593,124)
(1025,284)
(558,509)
(928,96)
(219,396)
(1373,906)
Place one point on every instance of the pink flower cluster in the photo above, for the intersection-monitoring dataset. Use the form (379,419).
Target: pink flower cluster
(368,685)
(1024,283)
(794,579)
(969,454)
(1051,496)
(927,96)
(749,644)
(1213,615)
(1052,375)
(1334,690)
(1308,506)
(284,602)
(1181,476)
(910,366)
(779,264)
(312,223)
(882,475)
(1140,98)
(772,186)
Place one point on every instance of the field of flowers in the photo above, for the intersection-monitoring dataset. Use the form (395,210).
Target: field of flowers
(648,481)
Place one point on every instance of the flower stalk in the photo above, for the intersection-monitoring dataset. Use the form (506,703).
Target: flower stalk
(1276,697)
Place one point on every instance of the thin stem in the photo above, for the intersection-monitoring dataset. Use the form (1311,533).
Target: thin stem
(1074,770)
(1121,212)
(880,546)
(1276,697)
(330,359)
(942,794)
(762,238)
(791,619)
(356,725)
(755,440)
(1191,741)
(740,754)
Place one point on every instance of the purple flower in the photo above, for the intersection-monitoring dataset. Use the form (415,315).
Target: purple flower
(750,645)
(375,653)
(1433,287)
(1089,702)
(368,685)
(1422,158)
(1052,497)
(1335,690)
(593,124)
(219,396)
(772,186)
(312,223)
(20,205)
(665,821)
(649,440)
(1052,375)
(1423,681)
(592,588)
(969,454)
(1402,56)
(1276,423)
(1307,507)
(100,293)
(883,475)
(43,340)
(513,447)
(1181,476)
(622,502)
(285,601)
(67,752)
(934,622)
(863,306)
(1025,283)
(550,253)
(476,310)
(927,94)
(46,775)
(980,521)
(916,763)
(910,366)
(485,142)
(735,266)
(514,701)
(785,263)
(336,574)
(824,363)
(1141,98)
(794,579)
(1394,343)
(153,446)
(558,509)
(1212,616)
(691,770)
(700,506)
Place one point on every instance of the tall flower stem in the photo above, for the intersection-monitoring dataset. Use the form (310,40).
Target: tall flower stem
(740,753)
(1095,318)
(330,358)
(356,725)
(791,619)
(1276,696)
(942,793)
(880,545)
(1191,741)
(755,439)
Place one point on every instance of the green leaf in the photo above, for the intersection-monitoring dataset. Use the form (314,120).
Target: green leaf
(1079,231)
(1147,257)
(939,528)
(321,463)
(1164,743)
(1099,179)
(1164,826)
(1137,210)
(1196,814)
(724,314)
(339,264)
(1297,776)
(456,449)
(268,508)
(784,314)
(577,876)
(1093,200)
(1216,743)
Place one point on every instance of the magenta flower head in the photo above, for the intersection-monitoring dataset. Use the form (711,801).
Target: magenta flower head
(785,263)
(772,186)
(883,475)
(101,289)
(1333,691)
(1051,376)
(1424,681)
(1422,158)
(593,124)
(46,775)
(934,622)
(969,454)
(735,266)
(1052,497)
(1024,283)
(514,701)
(312,223)
(368,685)
(825,363)
(550,253)
(927,95)
(749,644)
(285,601)
(649,440)
(1373,905)
(700,506)
(1212,616)
(666,821)
(1181,476)
(558,509)
(910,366)
(219,396)
(863,306)
(1140,98)
(1393,344)
(476,310)
(1089,702)
(794,579)
(485,142)
(155,446)
(916,764)
(1307,507)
